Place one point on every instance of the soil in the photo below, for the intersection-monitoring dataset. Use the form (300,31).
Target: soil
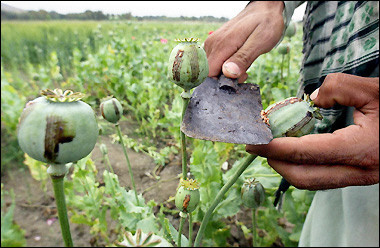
(35,211)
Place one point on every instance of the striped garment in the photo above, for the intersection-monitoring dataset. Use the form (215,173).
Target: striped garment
(339,36)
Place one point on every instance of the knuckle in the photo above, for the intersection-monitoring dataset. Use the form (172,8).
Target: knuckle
(332,81)
(248,149)
(303,157)
(244,58)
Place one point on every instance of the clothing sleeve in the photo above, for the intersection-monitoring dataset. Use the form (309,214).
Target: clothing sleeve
(289,7)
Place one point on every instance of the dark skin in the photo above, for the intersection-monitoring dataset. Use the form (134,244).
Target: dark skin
(346,157)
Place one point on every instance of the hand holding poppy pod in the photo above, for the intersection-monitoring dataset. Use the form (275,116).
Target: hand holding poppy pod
(346,157)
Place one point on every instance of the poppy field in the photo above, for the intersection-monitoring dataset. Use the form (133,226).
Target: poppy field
(124,192)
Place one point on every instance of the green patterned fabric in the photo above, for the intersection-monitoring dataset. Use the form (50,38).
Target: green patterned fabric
(339,36)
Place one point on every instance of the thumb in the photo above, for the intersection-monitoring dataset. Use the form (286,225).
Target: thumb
(259,42)
(347,90)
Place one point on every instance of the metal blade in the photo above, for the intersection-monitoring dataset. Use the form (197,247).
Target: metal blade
(225,111)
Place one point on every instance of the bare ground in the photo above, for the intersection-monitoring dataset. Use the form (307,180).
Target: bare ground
(34,209)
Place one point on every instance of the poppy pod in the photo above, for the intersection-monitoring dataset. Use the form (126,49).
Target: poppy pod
(57,128)
(188,65)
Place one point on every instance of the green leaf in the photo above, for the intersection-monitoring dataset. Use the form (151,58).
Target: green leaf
(174,234)
(37,169)
(229,206)
(11,233)
(148,224)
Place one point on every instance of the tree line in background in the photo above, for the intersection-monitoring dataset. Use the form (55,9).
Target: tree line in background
(97,15)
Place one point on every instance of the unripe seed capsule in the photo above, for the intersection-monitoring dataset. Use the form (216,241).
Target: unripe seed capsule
(291,30)
(292,117)
(187,196)
(111,110)
(188,65)
(103,149)
(283,48)
(252,193)
(57,128)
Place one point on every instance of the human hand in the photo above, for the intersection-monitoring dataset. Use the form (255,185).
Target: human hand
(346,157)
(235,45)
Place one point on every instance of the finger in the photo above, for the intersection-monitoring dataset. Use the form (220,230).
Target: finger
(243,78)
(347,90)
(260,41)
(320,177)
(223,45)
(344,146)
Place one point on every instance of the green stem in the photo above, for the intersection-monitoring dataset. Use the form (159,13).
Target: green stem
(282,66)
(259,73)
(289,56)
(180,231)
(190,229)
(108,163)
(128,163)
(287,76)
(185,102)
(253,227)
(62,210)
(220,195)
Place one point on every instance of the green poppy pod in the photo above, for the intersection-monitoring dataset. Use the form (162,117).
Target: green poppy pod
(187,196)
(292,117)
(57,128)
(252,193)
(188,65)
(291,29)
(283,48)
(111,110)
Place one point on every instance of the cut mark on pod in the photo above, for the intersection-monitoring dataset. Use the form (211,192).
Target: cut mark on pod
(177,64)
(194,63)
(186,202)
(56,133)
(283,103)
(292,132)
(116,108)
(102,110)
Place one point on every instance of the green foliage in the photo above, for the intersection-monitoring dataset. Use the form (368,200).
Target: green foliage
(12,104)
(11,233)
(93,204)
(128,60)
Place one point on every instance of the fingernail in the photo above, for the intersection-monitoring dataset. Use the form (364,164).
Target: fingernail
(314,94)
(232,68)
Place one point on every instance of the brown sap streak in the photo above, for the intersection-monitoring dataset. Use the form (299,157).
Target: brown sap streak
(194,63)
(177,64)
(115,107)
(55,135)
(185,203)
(101,110)
(293,130)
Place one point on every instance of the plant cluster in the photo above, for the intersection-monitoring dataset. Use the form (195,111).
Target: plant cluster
(129,61)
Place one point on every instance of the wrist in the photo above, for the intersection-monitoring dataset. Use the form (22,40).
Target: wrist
(275,6)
